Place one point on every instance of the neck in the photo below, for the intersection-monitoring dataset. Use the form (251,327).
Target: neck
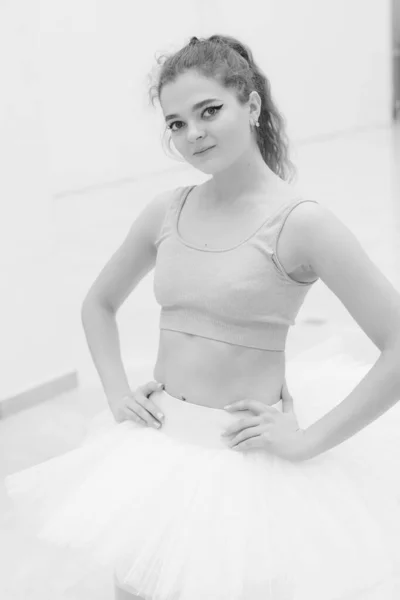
(249,174)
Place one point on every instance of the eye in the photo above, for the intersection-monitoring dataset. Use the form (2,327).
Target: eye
(216,108)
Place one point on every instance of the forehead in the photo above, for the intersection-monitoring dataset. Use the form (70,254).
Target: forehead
(188,89)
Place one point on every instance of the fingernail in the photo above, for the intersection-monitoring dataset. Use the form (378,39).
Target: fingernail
(160,416)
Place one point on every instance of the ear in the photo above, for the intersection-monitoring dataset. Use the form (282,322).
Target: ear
(255,102)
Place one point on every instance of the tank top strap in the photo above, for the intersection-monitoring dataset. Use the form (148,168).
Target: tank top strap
(171,213)
(275,223)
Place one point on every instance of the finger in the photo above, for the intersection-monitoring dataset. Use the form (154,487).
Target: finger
(150,406)
(254,405)
(146,417)
(128,407)
(150,387)
(246,434)
(133,416)
(254,441)
(136,406)
(240,424)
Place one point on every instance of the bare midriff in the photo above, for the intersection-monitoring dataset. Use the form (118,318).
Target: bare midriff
(213,373)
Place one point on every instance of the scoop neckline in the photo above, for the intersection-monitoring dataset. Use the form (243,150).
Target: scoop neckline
(202,249)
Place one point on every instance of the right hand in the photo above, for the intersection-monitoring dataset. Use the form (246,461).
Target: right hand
(138,407)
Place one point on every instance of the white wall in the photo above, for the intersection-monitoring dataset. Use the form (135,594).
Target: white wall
(33,339)
(328,62)
(81,147)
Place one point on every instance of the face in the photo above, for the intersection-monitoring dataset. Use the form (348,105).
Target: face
(220,121)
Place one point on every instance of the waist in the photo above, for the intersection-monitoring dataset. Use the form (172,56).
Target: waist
(196,424)
(214,374)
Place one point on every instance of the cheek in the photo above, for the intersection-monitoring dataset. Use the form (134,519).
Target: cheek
(235,131)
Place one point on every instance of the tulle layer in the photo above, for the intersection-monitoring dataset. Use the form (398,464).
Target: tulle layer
(174,514)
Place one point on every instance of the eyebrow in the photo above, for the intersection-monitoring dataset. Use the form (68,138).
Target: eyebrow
(195,107)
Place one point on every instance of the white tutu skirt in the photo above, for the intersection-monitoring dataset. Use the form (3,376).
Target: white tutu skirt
(175,514)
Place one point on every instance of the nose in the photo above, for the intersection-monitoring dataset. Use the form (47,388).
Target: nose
(194,133)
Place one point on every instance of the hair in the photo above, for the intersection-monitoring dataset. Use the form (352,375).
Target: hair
(231,63)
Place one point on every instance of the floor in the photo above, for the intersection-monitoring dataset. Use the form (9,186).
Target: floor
(357,175)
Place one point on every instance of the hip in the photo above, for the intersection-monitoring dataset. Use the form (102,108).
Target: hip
(196,424)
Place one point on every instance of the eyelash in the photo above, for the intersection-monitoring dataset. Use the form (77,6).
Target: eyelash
(217,108)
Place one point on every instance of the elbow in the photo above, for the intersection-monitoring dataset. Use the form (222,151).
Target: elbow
(85,311)
(86,305)
(90,303)
(392,344)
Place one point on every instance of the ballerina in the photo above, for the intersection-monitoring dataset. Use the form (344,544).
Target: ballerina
(213,480)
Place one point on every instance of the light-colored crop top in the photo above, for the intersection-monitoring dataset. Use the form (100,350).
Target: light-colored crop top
(239,295)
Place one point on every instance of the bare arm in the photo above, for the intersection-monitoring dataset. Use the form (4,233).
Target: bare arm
(102,336)
(336,256)
(119,277)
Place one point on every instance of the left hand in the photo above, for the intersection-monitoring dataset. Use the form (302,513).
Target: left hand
(275,431)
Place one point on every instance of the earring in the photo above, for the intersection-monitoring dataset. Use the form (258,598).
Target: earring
(255,123)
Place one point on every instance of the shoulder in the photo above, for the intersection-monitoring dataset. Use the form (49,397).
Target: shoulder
(304,220)
(163,207)
(313,235)
(307,220)
(306,213)
(165,201)
(306,216)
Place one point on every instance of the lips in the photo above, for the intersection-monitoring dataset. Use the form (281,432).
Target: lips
(205,150)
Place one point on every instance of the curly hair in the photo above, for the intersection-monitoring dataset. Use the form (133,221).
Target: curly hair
(231,63)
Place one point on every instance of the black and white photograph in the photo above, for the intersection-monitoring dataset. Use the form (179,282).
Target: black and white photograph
(200,300)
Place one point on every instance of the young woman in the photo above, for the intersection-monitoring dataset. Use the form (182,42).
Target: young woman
(219,483)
